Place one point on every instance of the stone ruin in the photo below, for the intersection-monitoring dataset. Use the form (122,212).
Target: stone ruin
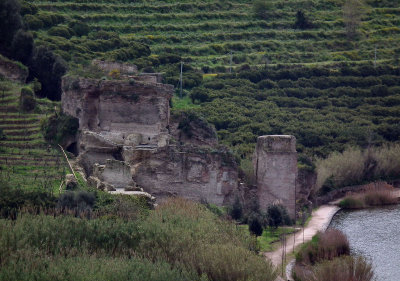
(129,143)
(275,166)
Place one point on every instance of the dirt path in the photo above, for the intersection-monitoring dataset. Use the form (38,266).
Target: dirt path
(320,220)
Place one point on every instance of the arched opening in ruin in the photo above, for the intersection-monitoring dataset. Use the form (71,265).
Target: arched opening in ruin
(73,148)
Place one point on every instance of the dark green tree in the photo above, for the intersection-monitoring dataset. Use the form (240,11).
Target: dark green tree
(237,211)
(277,216)
(255,225)
(10,22)
(22,46)
(48,68)
(301,21)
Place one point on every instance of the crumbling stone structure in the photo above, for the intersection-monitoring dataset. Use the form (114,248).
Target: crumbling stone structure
(275,166)
(128,142)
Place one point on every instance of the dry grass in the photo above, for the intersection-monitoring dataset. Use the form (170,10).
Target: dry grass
(345,268)
(324,246)
(354,166)
(375,195)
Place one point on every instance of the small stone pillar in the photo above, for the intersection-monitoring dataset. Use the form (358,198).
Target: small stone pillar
(275,167)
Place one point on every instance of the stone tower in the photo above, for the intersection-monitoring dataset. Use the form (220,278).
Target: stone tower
(275,166)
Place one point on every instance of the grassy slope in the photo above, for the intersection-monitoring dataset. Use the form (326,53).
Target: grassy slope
(26,161)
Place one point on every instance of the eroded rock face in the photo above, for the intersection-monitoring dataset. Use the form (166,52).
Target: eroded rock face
(275,165)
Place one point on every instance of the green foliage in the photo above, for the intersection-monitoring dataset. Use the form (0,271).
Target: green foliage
(261,8)
(10,22)
(351,203)
(79,28)
(80,200)
(277,215)
(301,21)
(183,240)
(59,127)
(255,225)
(236,211)
(12,200)
(61,31)
(28,265)
(22,46)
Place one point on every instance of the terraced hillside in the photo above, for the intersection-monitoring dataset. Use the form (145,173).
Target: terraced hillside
(204,32)
(315,81)
(26,160)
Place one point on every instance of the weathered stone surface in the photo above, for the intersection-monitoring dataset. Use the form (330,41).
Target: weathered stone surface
(188,172)
(141,108)
(275,165)
(117,173)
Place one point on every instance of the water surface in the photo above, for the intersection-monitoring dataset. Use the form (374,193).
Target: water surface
(375,234)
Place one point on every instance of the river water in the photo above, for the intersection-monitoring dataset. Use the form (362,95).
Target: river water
(375,234)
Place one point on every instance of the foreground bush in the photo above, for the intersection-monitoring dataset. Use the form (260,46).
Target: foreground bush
(345,268)
(323,246)
(29,265)
(184,234)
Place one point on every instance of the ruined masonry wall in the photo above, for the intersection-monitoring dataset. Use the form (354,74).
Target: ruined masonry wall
(275,165)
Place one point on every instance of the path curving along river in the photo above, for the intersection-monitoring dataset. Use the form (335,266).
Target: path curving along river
(375,234)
